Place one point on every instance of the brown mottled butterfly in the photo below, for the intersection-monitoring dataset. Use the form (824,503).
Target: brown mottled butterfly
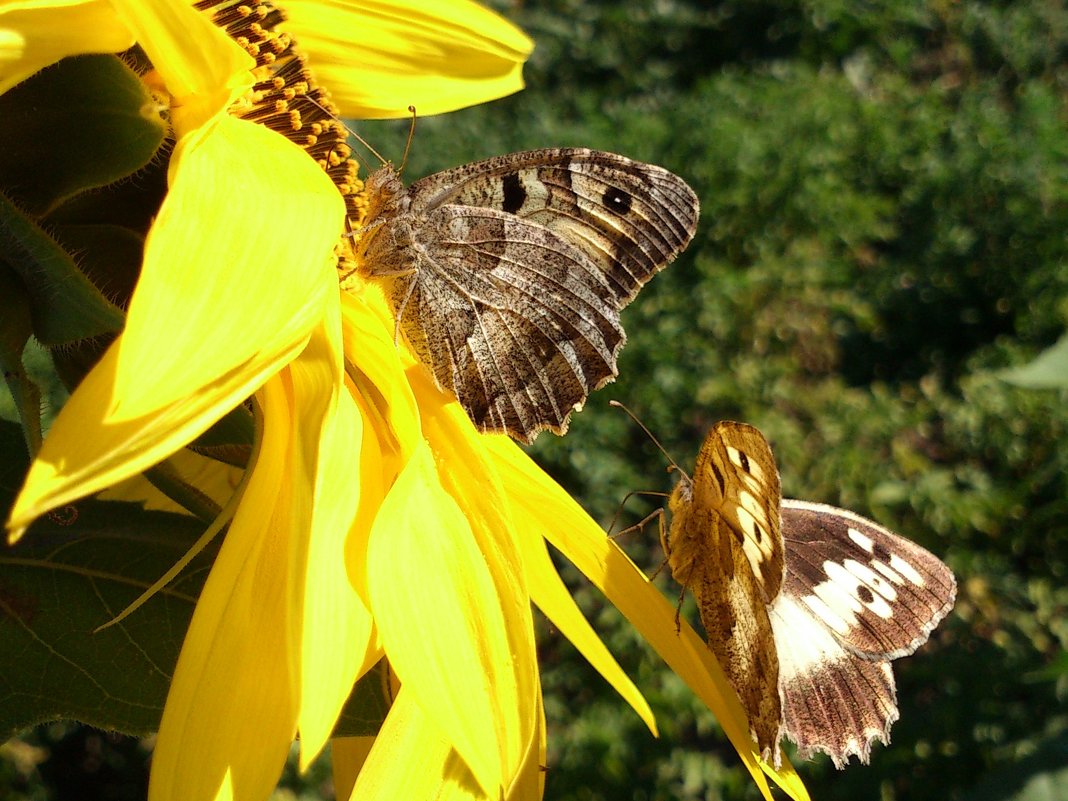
(804,605)
(507,276)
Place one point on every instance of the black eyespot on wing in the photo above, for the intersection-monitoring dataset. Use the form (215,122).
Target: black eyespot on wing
(881,552)
(865,594)
(515,194)
(745,461)
(758,533)
(617,200)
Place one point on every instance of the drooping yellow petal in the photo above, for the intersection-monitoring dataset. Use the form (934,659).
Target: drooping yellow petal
(629,590)
(220,735)
(334,627)
(203,69)
(243,248)
(441,621)
(378,370)
(547,590)
(412,759)
(471,479)
(380,56)
(36,34)
(258,295)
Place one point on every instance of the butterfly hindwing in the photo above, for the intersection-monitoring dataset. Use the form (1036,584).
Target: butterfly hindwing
(833,701)
(856,596)
(507,276)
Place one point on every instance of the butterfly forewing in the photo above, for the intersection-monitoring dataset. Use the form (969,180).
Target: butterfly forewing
(508,275)
(725,547)
(879,593)
(706,557)
(737,471)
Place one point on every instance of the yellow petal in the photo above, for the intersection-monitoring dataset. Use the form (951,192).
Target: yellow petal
(203,69)
(440,618)
(36,34)
(213,478)
(598,557)
(380,56)
(470,477)
(378,371)
(533,523)
(231,715)
(242,250)
(239,250)
(411,759)
(335,627)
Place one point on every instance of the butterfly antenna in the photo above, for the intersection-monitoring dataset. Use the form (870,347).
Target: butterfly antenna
(648,433)
(408,144)
(351,133)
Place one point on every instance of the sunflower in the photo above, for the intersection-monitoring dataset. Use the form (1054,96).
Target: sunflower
(372,525)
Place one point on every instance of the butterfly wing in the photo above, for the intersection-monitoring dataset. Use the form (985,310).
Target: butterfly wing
(856,596)
(736,474)
(629,218)
(723,540)
(880,593)
(508,275)
(510,317)
(832,700)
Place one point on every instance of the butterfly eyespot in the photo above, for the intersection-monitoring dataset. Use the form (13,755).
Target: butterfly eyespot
(743,460)
(881,552)
(758,533)
(515,194)
(865,594)
(617,200)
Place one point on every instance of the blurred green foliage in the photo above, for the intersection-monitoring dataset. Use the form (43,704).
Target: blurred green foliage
(883,189)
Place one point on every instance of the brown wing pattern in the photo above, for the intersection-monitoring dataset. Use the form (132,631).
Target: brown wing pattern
(856,596)
(719,521)
(508,275)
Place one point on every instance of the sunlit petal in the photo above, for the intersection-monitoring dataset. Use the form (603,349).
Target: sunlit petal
(36,34)
(203,79)
(327,610)
(441,620)
(433,770)
(266,273)
(436,56)
(216,730)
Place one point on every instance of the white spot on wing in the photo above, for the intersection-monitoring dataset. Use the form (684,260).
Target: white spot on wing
(874,581)
(905,569)
(861,539)
(831,614)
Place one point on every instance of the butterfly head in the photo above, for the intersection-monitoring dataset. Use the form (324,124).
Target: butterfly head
(385,194)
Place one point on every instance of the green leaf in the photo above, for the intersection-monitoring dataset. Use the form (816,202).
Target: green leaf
(1048,371)
(74,571)
(81,123)
(14,334)
(64,304)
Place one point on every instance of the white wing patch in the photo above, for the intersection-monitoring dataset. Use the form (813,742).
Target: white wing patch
(861,539)
(801,641)
(906,570)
